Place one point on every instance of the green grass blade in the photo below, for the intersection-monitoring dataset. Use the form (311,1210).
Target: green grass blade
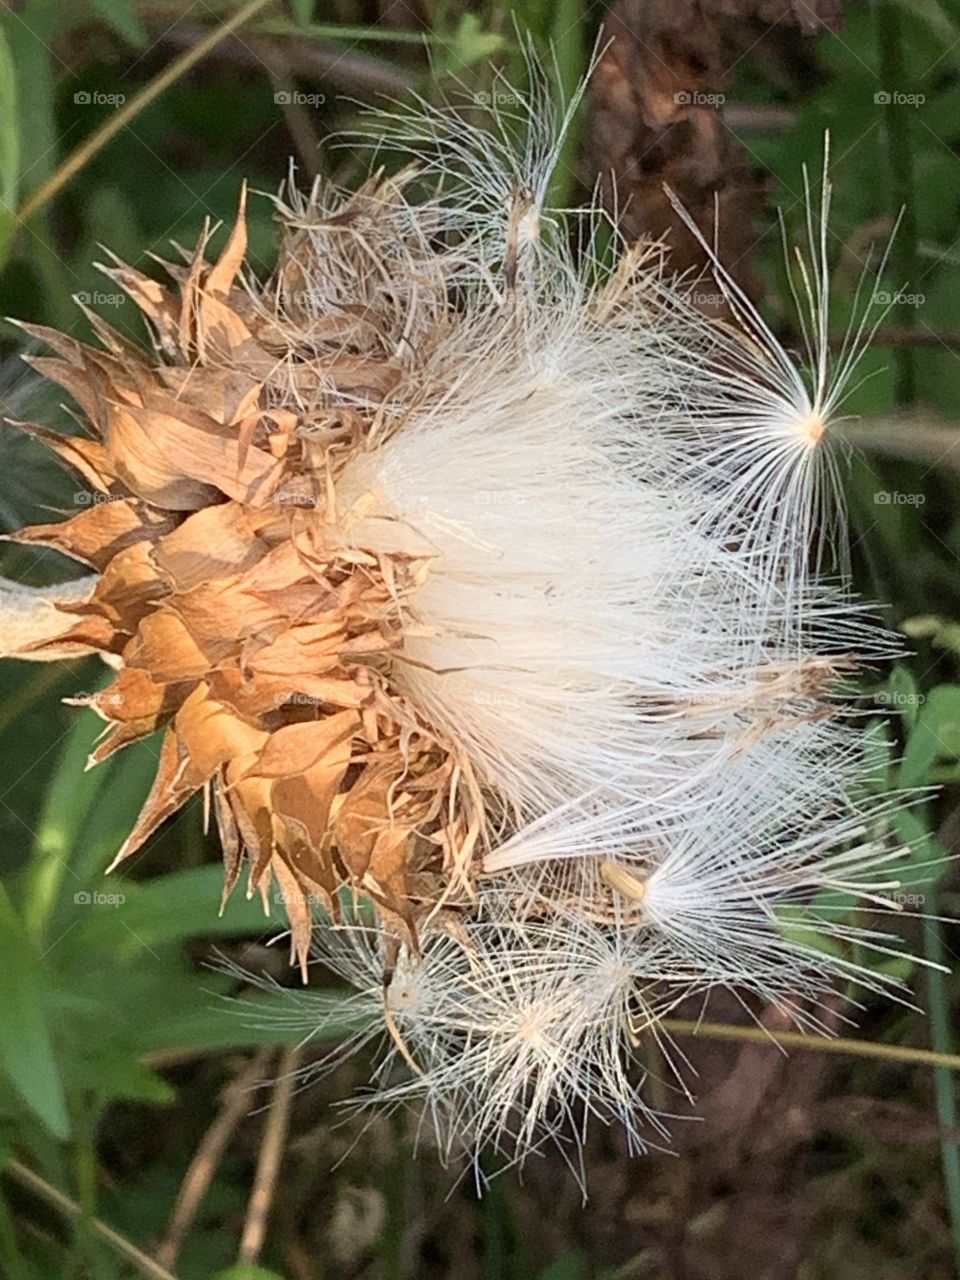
(944,1085)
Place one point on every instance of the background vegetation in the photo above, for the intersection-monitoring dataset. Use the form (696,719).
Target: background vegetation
(127,1084)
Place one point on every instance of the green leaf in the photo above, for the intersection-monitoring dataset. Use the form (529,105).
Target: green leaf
(571,1266)
(127,780)
(943,1042)
(302,11)
(123,17)
(903,695)
(38,135)
(169,908)
(245,1023)
(798,926)
(936,735)
(9,147)
(354,35)
(69,804)
(567,43)
(26,1048)
(877,756)
(928,626)
(470,43)
(899,967)
(115,1073)
(928,860)
(935,16)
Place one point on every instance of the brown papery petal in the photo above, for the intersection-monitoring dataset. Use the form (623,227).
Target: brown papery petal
(210,543)
(154,301)
(297,747)
(99,532)
(186,443)
(213,736)
(127,588)
(88,458)
(165,647)
(296,903)
(221,614)
(227,395)
(142,453)
(172,787)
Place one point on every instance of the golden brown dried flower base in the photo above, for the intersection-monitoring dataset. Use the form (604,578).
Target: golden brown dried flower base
(252,616)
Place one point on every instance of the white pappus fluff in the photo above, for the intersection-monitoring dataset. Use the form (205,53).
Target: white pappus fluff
(626,628)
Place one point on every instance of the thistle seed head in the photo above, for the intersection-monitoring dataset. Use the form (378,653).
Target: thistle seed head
(475,582)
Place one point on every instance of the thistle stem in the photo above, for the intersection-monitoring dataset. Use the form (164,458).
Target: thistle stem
(797,1040)
(54,1197)
(206,1159)
(270,1158)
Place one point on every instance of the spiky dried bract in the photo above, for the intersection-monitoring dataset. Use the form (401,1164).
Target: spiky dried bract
(472,579)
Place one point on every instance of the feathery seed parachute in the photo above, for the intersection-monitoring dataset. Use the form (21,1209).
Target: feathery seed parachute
(474,581)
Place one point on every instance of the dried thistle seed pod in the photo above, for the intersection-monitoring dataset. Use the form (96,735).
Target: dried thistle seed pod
(471,572)
(250,606)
